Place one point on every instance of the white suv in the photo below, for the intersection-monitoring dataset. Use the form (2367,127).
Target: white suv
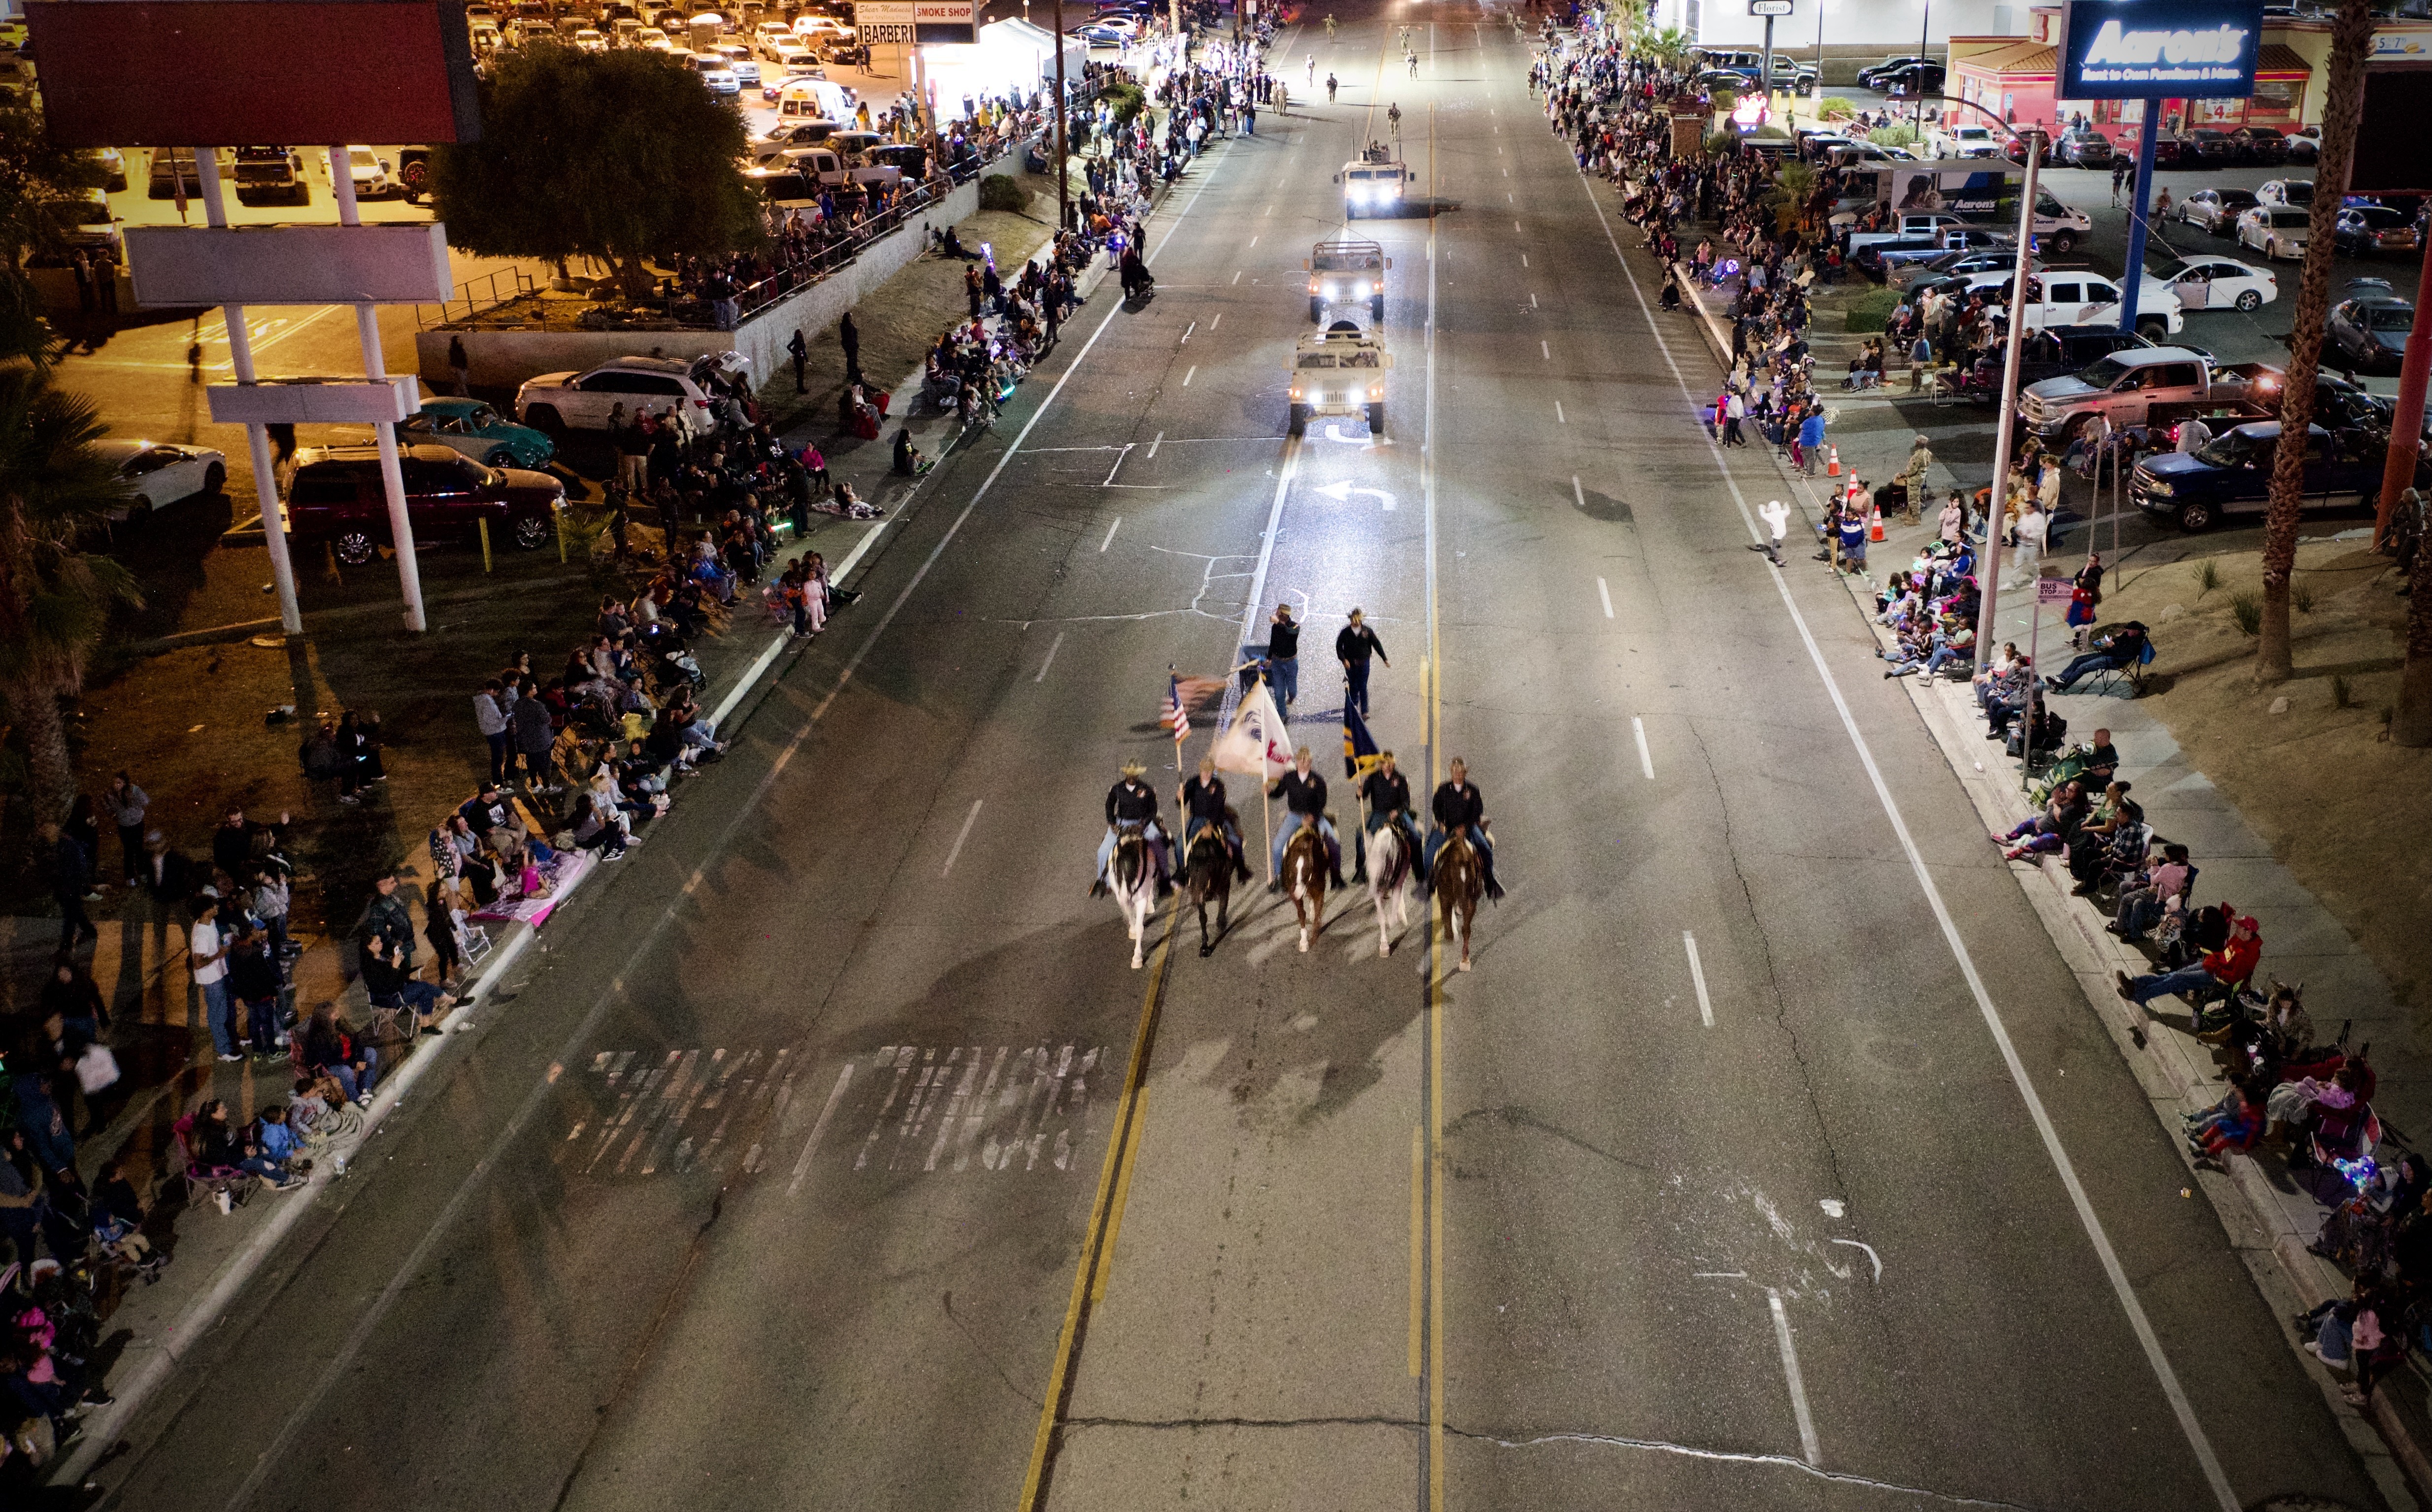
(558,402)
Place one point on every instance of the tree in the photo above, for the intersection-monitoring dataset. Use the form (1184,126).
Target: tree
(622,156)
(55,596)
(1794,186)
(2342,104)
(43,197)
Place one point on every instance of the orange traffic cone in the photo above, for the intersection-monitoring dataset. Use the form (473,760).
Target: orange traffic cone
(1875,531)
(1832,461)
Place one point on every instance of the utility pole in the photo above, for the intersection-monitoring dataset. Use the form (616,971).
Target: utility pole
(1924,50)
(1063,173)
(1988,568)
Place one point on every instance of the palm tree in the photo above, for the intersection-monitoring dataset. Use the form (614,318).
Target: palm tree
(1794,186)
(2342,104)
(55,596)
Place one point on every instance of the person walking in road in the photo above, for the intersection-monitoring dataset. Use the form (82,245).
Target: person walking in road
(1734,411)
(1354,645)
(2119,179)
(1283,656)
(1776,515)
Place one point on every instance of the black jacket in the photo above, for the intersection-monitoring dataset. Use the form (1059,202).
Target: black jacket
(1204,799)
(1457,806)
(1301,795)
(1283,641)
(1357,643)
(1130,802)
(1386,794)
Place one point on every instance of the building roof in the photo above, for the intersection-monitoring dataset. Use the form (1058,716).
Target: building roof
(2017,58)
(2280,60)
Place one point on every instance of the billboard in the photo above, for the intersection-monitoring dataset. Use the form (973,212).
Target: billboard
(2390,156)
(398,264)
(229,72)
(1989,195)
(2159,49)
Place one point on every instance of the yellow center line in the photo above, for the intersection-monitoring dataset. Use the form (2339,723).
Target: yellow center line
(1432,677)
(1106,1212)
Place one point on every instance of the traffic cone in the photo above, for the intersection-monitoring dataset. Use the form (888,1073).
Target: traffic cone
(1832,461)
(1875,531)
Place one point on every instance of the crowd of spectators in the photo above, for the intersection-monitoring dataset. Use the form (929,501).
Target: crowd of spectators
(2294,1097)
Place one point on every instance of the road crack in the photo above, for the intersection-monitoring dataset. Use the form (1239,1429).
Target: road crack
(1726,1456)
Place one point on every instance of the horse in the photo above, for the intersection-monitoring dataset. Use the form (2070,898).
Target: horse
(1457,881)
(1207,872)
(1388,883)
(1132,876)
(1304,879)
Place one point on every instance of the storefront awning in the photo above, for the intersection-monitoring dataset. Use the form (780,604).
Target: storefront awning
(2280,62)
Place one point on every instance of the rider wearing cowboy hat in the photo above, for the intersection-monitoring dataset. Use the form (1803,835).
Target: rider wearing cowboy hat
(1304,795)
(1387,792)
(1132,801)
(1203,803)
(1459,805)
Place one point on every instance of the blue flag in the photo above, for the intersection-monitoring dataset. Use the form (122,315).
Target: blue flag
(1358,747)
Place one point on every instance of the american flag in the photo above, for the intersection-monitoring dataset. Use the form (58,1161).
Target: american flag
(1175,715)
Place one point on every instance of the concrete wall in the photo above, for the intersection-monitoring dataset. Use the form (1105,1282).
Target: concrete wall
(504,359)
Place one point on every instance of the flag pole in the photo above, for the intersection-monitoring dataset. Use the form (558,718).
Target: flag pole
(1266,805)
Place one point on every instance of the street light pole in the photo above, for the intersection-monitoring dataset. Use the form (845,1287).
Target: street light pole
(1063,172)
(1924,50)
(1989,567)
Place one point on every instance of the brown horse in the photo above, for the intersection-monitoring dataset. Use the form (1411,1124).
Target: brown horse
(1207,872)
(1457,881)
(1304,879)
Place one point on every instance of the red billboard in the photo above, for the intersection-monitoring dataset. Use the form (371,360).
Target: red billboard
(221,73)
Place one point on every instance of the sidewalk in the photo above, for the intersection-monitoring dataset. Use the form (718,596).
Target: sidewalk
(2269,1218)
(159,1030)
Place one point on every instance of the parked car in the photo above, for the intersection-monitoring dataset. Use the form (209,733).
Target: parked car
(1911,80)
(2217,283)
(2305,146)
(2367,331)
(2084,150)
(2232,474)
(337,497)
(2014,148)
(160,473)
(2286,193)
(471,426)
(2172,149)
(558,402)
(1871,78)
(2217,210)
(2275,231)
(1959,264)
(2259,144)
(2213,147)
(1962,139)
(2365,229)
(375,177)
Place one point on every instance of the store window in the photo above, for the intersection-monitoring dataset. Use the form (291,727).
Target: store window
(2276,100)
(2224,114)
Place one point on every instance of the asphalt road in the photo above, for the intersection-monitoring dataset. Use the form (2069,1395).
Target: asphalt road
(1714,1183)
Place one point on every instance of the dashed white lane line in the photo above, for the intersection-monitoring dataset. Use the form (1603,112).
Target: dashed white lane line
(1547,350)
(1646,756)
(1523,260)
(1159,441)
(1533,301)
(960,835)
(1218,321)
(1516,225)
(1697,980)
(1186,333)
(1186,377)
(1116,523)
(1807,1445)
(1579,496)
(1605,595)
(1557,413)
(1237,276)
(1055,646)
(1254,241)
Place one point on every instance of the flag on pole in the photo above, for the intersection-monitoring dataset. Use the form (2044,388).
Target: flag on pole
(1358,747)
(1175,716)
(1258,740)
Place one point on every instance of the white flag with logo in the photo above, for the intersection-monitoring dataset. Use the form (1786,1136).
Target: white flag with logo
(1258,740)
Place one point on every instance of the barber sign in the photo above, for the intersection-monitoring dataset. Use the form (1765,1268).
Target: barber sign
(2159,49)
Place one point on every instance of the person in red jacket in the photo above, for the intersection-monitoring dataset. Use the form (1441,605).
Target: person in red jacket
(2217,975)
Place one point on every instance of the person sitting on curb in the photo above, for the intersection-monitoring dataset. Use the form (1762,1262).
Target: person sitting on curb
(2217,975)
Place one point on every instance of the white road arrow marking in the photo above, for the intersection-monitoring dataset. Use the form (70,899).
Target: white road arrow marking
(1341,494)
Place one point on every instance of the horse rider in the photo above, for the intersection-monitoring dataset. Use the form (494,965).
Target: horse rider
(1132,802)
(1304,794)
(1388,795)
(1203,803)
(1459,805)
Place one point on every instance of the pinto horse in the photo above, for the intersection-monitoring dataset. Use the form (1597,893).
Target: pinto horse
(1207,872)
(1390,874)
(1133,881)
(1457,881)
(1304,879)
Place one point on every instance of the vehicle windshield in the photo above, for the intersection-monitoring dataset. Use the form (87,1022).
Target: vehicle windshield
(2102,373)
(2378,215)
(2297,191)
(2232,450)
(1361,359)
(2390,317)
(1317,358)
(2170,269)
(1344,262)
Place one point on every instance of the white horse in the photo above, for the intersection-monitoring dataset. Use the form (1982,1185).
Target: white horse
(1132,878)
(1390,879)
